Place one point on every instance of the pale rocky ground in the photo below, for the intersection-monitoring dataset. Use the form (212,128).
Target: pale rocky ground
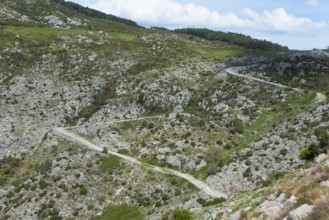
(53,88)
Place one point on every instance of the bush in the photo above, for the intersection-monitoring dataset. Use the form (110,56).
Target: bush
(43,184)
(322,135)
(83,191)
(237,126)
(177,214)
(120,212)
(44,167)
(309,152)
(214,202)
(213,158)
(110,163)
(284,151)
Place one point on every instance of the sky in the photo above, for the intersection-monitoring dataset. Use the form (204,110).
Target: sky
(298,24)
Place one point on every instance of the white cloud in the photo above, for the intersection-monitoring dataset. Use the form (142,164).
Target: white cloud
(171,13)
(312,3)
(279,20)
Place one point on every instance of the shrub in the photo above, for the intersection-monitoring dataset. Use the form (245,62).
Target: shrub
(309,152)
(43,184)
(247,172)
(213,158)
(177,214)
(322,135)
(44,167)
(284,151)
(120,212)
(214,202)
(75,213)
(237,126)
(83,191)
(123,151)
(110,163)
(105,150)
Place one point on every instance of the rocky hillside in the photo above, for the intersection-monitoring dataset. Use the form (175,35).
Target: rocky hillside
(168,101)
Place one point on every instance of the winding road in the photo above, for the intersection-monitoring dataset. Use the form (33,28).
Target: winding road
(201,185)
(231,72)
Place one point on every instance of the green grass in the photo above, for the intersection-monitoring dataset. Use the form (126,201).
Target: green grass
(120,212)
(110,163)
(218,52)
(42,32)
(121,36)
(178,214)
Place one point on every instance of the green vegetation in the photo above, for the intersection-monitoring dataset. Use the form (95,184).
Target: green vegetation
(177,214)
(278,113)
(272,178)
(314,149)
(216,201)
(121,36)
(214,159)
(219,52)
(310,152)
(232,38)
(110,163)
(323,136)
(120,212)
(8,168)
(43,32)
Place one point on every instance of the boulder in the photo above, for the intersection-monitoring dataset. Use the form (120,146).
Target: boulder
(54,20)
(3,193)
(270,209)
(173,160)
(320,158)
(300,213)
(235,216)
(320,97)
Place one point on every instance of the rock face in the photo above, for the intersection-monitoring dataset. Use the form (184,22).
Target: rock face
(300,213)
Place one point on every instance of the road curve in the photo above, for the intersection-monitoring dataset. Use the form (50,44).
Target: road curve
(230,71)
(70,136)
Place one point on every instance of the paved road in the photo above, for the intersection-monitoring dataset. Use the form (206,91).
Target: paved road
(70,136)
(231,71)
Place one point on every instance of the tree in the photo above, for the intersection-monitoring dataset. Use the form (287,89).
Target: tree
(213,158)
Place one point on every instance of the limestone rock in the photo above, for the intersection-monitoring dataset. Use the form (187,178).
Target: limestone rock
(320,158)
(174,160)
(235,216)
(320,98)
(300,213)
(3,193)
